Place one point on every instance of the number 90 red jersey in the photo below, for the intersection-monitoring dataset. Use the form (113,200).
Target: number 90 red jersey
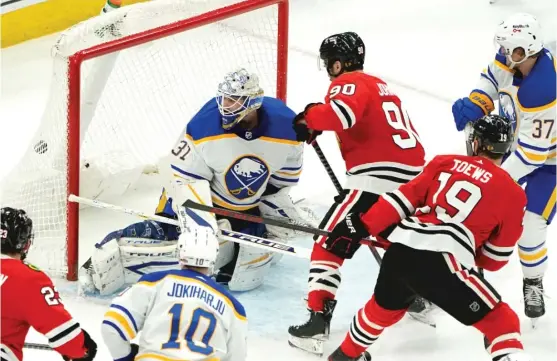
(378,142)
(466,206)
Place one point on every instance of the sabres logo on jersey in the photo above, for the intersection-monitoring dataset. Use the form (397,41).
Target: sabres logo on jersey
(507,108)
(246,176)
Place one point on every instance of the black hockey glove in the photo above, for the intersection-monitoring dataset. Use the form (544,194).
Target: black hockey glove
(303,133)
(345,238)
(91,347)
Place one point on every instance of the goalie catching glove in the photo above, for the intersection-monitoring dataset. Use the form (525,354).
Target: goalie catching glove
(345,238)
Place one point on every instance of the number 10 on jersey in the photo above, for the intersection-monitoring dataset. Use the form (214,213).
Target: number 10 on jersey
(199,316)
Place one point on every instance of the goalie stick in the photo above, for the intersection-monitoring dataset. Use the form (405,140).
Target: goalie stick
(227,235)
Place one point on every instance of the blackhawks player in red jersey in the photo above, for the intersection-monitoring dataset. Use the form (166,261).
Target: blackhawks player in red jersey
(29,299)
(381,150)
(461,212)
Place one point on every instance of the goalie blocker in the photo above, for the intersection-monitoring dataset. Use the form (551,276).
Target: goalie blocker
(123,256)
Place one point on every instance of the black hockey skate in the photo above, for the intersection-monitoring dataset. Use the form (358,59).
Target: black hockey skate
(311,335)
(420,310)
(534,304)
(338,355)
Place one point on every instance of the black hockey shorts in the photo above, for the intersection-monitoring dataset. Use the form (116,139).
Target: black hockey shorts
(406,272)
(349,201)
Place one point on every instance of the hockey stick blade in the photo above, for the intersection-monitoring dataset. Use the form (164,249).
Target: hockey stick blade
(37,346)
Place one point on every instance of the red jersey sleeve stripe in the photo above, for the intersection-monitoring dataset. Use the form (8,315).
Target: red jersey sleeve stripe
(344,113)
(63,334)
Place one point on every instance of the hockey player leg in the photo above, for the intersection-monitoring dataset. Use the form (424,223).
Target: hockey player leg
(540,189)
(247,266)
(534,261)
(324,280)
(324,276)
(501,328)
(469,298)
(122,261)
(388,305)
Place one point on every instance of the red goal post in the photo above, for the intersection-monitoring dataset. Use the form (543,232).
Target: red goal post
(140,68)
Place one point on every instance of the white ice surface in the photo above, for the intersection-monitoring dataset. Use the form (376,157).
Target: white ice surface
(431,52)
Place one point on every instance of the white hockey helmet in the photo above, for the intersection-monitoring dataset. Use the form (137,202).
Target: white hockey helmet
(238,95)
(198,247)
(519,31)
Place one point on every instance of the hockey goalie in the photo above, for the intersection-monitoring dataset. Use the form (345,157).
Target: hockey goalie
(239,152)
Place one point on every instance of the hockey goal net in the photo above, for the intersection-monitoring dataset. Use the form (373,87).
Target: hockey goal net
(124,86)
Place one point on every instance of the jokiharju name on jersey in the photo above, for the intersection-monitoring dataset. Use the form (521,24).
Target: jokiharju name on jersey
(180,290)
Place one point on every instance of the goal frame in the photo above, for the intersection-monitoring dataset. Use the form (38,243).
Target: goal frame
(74,92)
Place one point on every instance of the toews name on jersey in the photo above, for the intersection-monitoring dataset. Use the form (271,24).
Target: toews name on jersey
(454,206)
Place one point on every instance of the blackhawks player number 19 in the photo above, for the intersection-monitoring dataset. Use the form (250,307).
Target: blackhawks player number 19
(41,307)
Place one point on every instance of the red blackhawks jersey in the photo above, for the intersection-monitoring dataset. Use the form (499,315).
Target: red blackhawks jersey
(466,206)
(29,299)
(379,145)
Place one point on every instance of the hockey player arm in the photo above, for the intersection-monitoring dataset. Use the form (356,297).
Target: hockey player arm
(536,136)
(125,318)
(497,250)
(289,174)
(47,314)
(394,206)
(480,102)
(237,340)
(344,106)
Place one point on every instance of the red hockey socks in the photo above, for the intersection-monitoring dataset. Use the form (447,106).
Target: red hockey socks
(502,329)
(324,277)
(366,327)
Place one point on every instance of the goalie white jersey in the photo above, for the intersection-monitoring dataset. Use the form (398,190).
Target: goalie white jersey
(183,315)
(239,163)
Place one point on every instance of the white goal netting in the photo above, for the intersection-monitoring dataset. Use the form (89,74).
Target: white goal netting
(134,103)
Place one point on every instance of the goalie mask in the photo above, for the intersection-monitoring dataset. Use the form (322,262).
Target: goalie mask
(238,95)
(17,231)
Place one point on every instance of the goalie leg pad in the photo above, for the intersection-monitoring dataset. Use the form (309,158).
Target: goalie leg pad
(251,267)
(107,269)
(121,262)
(226,248)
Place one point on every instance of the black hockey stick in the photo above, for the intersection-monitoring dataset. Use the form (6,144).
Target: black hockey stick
(327,166)
(38,346)
(339,189)
(264,220)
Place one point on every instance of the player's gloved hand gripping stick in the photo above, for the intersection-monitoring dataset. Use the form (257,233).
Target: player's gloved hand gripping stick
(258,219)
(339,189)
